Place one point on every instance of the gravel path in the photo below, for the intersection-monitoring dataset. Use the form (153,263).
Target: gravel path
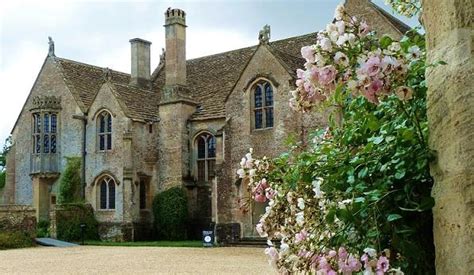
(134,260)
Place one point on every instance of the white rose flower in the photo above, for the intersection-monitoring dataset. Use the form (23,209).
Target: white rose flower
(301,203)
(300,218)
(371,252)
(325,44)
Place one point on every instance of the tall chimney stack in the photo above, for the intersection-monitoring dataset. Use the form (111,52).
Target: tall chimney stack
(175,26)
(140,63)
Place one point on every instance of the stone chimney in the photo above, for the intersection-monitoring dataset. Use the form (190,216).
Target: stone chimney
(175,26)
(140,73)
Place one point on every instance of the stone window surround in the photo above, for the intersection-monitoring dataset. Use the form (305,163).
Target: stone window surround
(97,117)
(195,153)
(251,88)
(98,183)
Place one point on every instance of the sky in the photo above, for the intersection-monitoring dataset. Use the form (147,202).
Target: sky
(97,32)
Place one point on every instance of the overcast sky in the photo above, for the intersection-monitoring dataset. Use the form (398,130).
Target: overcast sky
(97,32)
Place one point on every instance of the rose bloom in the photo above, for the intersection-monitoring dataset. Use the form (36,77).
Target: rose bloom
(404,93)
(327,75)
(308,53)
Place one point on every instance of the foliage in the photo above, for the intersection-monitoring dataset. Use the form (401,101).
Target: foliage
(357,197)
(170,211)
(10,240)
(151,244)
(69,217)
(408,8)
(3,161)
(42,229)
(70,182)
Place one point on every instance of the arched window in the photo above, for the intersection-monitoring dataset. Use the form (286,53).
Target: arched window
(107,193)
(263,105)
(104,127)
(206,157)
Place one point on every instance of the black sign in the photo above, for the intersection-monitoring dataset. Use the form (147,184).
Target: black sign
(207,238)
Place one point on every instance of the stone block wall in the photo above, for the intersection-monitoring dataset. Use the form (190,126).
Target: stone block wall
(17,218)
(450,99)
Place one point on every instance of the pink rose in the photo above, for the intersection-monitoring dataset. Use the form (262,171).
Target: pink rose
(308,53)
(327,75)
(372,66)
(382,265)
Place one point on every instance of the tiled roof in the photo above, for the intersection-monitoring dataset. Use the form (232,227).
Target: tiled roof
(139,104)
(85,80)
(210,78)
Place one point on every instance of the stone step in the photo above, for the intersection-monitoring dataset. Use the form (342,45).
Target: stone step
(53,242)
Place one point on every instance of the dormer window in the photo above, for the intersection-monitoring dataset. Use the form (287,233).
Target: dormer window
(263,105)
(104,133)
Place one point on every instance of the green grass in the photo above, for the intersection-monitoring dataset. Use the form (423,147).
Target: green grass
(153,243)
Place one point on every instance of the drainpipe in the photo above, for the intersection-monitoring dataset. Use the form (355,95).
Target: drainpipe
(83,153)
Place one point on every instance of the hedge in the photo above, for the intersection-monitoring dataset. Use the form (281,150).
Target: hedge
(69,217)
(170,211)
(9,240)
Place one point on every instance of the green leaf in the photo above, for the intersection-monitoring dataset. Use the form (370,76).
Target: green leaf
(393,217)
(399,174)
(377,140)
(385,41)
(362,173)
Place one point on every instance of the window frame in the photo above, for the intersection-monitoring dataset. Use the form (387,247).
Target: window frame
(106,133)
(45,132)
(264,106)
(109,183)
(208,161)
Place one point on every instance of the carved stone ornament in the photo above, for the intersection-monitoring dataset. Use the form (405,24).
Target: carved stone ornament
(51,46)
(264,35)
(47,102)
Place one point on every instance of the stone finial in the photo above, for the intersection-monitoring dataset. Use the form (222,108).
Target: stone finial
(107,74)
(51,46)
(162,56)
(264,35)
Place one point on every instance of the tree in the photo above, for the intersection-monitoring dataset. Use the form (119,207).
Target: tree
(3,161)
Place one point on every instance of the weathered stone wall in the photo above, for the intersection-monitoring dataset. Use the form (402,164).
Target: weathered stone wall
(240,135)
(449,28)
(110,162)
(362,9)
(48,83)
(17,218)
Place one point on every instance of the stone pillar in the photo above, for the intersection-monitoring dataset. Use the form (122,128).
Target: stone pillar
(41,198)
(449,28)
(174,143)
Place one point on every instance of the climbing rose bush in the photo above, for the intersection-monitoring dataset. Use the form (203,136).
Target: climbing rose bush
(353,197)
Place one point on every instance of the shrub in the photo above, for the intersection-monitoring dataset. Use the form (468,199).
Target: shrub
(9,240)
(69,217)
(42,229)
(70,182)
(2,179)
(170,211)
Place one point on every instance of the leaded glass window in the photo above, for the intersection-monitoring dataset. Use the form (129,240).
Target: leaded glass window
(107,193)
(263,105)
(45,132)
(206,157)
(105,131)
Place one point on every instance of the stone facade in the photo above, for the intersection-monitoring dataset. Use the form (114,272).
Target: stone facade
(449,28)
(156,122)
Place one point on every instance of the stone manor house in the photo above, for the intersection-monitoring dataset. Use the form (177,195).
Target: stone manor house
(186,123)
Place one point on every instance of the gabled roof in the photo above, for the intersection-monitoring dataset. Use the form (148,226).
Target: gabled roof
(210,78)
(85,80)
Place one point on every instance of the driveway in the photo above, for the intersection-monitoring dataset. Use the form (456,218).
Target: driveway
(134,260)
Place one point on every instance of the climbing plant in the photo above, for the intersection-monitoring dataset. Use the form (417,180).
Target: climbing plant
(353,197)
(70,182)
